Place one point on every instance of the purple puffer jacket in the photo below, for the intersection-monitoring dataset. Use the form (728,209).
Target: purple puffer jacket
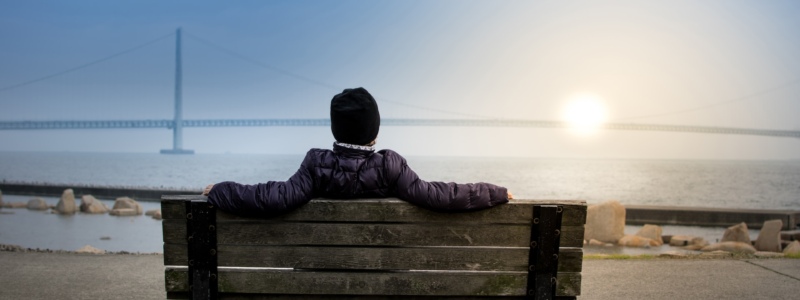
(349,173)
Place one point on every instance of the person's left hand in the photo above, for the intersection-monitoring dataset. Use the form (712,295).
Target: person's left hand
(207,189)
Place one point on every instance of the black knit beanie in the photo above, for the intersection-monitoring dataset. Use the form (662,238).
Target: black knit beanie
(354,117)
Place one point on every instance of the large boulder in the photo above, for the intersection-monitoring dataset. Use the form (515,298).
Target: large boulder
(66,205)
(37,204)
(769,238)
(90,205)
(792,249)
(733,247)
(127,203)
(638,241)
(605,222)
(737,233)
(652,232)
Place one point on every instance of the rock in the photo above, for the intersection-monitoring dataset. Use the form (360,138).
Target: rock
(733,247)
(605,222)
(717,254)
(89,204)
(638,241)
(151,212)
(66,205)
(737,233)
(767,254)
(594,242)
(652,232)
(157,215)
(90,249)
(792,249)
(37,204)
(122,212)
(126,202)
(769,238)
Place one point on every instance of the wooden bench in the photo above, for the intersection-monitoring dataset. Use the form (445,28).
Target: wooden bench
(374,248)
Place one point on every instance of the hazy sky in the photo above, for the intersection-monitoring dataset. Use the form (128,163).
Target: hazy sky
(650,62)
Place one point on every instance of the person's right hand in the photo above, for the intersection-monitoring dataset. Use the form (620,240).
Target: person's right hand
(510,196)
(207,189)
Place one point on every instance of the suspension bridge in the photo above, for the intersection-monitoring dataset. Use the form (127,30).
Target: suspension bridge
(177,123)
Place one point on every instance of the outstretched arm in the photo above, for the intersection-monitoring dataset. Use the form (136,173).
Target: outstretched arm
(444,196)
(271,198)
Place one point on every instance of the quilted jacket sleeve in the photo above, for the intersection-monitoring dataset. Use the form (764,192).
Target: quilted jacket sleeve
(265,199)
(441,196)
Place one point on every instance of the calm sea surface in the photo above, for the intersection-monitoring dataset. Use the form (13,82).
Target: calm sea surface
(731,184)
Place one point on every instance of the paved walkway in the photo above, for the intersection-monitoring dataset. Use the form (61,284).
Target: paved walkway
(85,276)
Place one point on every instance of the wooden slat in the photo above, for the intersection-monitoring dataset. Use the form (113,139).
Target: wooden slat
(375,258)
(257,232)
(361,283)
(394,210)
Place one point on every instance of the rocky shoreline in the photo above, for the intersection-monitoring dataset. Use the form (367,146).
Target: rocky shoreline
(84,250)
(605,225)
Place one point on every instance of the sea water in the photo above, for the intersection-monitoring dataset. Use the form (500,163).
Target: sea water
(725,184)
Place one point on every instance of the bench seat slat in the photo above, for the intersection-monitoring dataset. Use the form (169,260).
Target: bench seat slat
(256,232)
(376,258)
(454,283)
(395,210)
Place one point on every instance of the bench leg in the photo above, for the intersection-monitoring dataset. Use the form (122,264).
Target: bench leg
(543,254)
(201,236)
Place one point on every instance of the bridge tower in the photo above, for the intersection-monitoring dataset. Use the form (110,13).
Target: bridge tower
(177,125)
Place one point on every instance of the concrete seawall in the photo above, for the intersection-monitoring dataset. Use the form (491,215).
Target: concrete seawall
(704,216)
(138,193)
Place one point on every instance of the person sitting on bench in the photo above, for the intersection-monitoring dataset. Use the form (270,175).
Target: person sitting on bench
(353,169)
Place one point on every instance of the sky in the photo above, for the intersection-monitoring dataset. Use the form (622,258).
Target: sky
(708,63)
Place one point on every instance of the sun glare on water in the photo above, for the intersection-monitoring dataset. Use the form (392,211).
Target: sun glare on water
(585,114)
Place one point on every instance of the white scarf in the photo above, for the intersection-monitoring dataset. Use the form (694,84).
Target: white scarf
(356,147)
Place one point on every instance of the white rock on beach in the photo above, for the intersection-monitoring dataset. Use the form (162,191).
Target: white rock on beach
(127,203)
(605,222)
(89,204)
(154,213)
(638,241)
(737,233)
(733,247)
(15,205)
(792,249)
(123,212)
(66,205)
(90,249)
(769,238)
(37,204)
(652,232)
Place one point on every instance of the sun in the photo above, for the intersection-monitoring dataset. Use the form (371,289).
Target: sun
(585,114)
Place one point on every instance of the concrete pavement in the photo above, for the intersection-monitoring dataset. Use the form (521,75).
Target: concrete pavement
(33,275)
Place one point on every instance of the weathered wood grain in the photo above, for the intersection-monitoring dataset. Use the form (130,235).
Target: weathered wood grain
(237,280)
(376,258)
(394,211)
(367,234)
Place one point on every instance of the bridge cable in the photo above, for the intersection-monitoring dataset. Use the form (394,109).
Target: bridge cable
(314,81)
(85,65)
(707,106)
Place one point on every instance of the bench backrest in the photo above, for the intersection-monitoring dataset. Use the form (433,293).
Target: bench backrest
(374,247)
